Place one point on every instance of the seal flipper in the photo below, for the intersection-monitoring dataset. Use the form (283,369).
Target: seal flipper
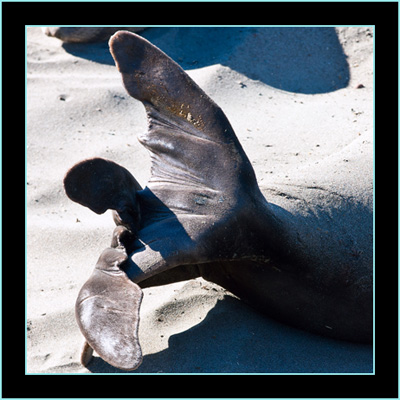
(107,311)
(201,179)
(86,353)
(191,140)
(101,185)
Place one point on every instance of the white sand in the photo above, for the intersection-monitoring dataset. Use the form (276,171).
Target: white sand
(77,108)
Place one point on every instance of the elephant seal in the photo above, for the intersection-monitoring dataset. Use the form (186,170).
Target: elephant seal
(83,34)
(304,256)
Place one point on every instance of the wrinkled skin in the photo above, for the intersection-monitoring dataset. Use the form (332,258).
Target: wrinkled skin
(203,214)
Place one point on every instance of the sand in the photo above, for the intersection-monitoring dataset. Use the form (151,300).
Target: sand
(293,96)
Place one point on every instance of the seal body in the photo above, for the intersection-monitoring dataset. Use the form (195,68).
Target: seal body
(305,259)
(301,253)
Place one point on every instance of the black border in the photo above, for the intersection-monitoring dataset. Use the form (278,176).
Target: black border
(384,384)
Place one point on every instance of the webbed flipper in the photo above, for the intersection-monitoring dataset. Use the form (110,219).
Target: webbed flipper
(200,175)
(107,312)
(101,185)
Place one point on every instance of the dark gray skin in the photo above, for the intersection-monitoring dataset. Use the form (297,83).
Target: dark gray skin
(202,214)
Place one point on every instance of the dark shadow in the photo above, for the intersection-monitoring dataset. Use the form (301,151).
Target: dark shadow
(234,338)
(301,60)
(158,224)
(97,52)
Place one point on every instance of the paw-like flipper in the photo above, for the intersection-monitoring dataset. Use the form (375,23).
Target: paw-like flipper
(191,211)
(102,185)
(107,311)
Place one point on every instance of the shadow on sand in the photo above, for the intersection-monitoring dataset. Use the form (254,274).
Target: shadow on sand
(301,60)
(261,346)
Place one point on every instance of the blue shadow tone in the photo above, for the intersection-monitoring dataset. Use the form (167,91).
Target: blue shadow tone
(264,346)
(306,60)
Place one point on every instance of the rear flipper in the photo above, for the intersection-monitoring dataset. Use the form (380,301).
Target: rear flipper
(201,189)
(142,254)
(86,353)
(101,185)
(191,141)
(123,238)
(107,312)
(202,184)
